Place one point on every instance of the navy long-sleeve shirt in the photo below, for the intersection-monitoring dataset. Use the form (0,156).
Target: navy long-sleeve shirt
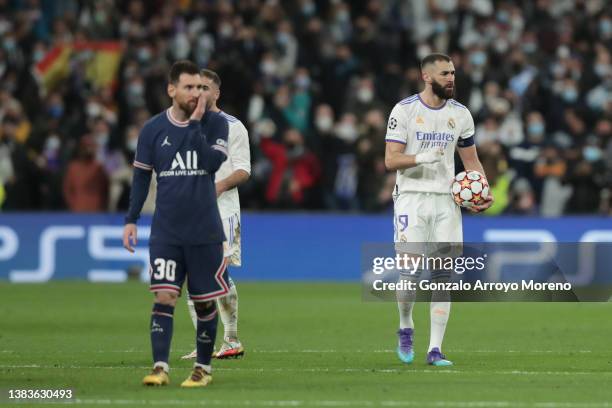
(185,156)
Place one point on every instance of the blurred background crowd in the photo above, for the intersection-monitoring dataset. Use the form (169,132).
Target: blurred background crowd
(314,82)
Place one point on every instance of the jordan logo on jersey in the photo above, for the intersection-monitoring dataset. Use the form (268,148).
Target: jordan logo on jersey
(166,142)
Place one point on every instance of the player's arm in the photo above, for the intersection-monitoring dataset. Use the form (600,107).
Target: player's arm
(212,156)
(241,161)
(396,159)
(141,180)
(396,138)
(469,157)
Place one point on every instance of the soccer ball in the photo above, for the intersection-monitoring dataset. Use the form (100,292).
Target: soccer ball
(469,188)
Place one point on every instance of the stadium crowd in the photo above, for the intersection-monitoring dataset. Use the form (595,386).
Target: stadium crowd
(314,82)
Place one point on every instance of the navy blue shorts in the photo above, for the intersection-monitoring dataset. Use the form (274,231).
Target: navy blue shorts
(202,265)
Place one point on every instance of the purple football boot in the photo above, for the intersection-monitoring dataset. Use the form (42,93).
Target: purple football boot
(404,348)
(436,358)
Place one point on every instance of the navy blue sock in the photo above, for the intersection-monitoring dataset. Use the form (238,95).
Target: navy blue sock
(206,334)
(162,318)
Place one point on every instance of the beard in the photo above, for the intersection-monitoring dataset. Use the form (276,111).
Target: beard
(187,107)
(441,91)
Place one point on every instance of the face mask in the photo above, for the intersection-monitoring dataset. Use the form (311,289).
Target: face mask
(100,17)
(308,9)
(601,69)
(56,111)
(529,47)
(268,67)
(503,16)
(440,26)
(102,139)
(9,44)
(52,144)
(93,110)
(144,54)
(569,95)
(302,82)
(324,123)
(282,38)
(131,145)
(591,153)
(535,129)
(501,46)
(478,58)
(226,31)
(181,46)
(38,55)
(343,16)
(135,90)
(605,27)
(558,70)
(365,95)
(346,132)
(295,151)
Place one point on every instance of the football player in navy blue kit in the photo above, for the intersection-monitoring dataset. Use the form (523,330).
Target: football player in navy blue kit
(185,145)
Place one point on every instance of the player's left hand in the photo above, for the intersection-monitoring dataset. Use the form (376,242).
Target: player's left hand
(129,237)
(488,202)
(200,108)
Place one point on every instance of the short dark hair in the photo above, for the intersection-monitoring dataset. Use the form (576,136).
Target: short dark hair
(182,67)
(212,75)
(433,58)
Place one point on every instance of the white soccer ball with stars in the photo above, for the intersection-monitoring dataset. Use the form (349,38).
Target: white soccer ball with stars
(469,188)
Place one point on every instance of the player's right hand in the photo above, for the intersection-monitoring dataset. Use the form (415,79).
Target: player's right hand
(129,237)
(433,156)
(200,108)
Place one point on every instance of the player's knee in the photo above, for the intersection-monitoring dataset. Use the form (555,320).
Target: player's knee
(205,310)
(166,298)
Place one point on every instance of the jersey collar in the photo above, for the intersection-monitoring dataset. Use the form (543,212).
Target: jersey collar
(174,121)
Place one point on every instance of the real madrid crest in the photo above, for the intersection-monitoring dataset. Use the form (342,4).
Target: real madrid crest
(451,123)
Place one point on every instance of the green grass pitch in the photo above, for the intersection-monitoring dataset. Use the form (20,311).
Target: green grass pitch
(307,344)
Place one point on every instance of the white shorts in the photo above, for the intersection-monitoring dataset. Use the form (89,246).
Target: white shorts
(426,217)
(231,247)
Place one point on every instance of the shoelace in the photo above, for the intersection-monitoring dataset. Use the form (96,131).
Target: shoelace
(405,340)
(197,374)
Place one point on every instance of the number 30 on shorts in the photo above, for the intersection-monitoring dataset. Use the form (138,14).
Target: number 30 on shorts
(164,269)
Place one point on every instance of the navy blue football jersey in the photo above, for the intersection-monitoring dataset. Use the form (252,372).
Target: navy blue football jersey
(184,156)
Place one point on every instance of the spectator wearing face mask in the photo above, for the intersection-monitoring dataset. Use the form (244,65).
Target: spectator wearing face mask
(586,191)
(363,98)
(18,174)
(295,172)
(86,183)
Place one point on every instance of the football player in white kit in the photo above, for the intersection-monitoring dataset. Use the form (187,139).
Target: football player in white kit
(233,172)
(422,134)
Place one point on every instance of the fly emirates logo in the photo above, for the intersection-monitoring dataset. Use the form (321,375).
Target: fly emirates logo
(434,139)
(187,166)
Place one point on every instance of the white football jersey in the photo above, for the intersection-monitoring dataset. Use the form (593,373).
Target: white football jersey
(422,128)
(239,158)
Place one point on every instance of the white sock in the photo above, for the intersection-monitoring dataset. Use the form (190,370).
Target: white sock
(439,312)
(228,310)
(207,368)
(405,302)
(192,313)
(405,315)
(163,365)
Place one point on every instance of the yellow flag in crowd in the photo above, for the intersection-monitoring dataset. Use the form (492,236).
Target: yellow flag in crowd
(102,60)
